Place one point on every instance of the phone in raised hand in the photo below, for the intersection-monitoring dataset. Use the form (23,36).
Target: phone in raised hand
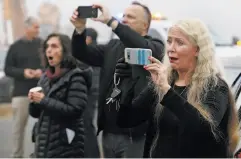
(87,12)
(137,56)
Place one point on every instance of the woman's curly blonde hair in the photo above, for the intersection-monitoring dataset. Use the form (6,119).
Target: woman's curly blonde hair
(206,74)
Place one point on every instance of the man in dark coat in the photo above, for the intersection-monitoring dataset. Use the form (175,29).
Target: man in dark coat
(91,143)
(23,64)
(132,33)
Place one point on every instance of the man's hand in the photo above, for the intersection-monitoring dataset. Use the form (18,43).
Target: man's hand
(29,73)
(123,69)
(78,22)
(38,73)
(105,16)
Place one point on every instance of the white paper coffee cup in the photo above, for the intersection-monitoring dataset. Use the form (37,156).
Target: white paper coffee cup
(36,89)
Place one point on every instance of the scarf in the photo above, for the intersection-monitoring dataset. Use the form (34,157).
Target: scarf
(56,75)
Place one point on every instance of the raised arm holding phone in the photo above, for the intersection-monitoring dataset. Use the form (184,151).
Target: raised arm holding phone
(132,33)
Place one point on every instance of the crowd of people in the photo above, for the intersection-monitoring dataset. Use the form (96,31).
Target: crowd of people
(178,106)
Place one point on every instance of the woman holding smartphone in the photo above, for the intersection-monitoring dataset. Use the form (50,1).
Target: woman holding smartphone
(60,105)
(189,106)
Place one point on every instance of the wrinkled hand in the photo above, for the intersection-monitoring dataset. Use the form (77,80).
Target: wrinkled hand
(105,16)
(79,23)
(35,97)
(28,73)
(123,69)
(158,73)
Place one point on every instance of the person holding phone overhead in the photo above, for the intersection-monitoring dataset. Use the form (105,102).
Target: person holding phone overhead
(59,102)
(91,142)
(132,32)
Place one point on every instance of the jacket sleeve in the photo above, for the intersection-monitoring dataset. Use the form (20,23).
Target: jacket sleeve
(92,54)
(132,39)
(134,111)
(35,110)
(76,100)
(10,65)
(216,102)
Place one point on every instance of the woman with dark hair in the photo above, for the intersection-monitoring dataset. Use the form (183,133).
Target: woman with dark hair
(60,105)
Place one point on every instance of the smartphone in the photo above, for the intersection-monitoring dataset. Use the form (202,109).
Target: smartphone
(87,12)
(137,56)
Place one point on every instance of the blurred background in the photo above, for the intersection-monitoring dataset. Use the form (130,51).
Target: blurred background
(221,15)
(223,18)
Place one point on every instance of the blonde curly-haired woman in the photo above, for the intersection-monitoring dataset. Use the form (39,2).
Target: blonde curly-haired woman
(195,114)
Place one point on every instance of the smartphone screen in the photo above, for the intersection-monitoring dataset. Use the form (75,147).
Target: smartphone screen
(87,12)
(137,56)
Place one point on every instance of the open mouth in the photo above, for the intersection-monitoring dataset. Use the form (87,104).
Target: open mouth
(50,58)
(173,59)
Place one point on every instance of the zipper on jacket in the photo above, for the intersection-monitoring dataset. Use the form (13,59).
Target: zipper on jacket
(130,136)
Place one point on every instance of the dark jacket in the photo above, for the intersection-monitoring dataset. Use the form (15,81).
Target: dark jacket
(61,108)
(91,149)
(106,56)
(91,142)
(183,132)
(23,54)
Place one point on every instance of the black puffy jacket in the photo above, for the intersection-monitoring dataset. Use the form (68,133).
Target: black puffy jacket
(61,109)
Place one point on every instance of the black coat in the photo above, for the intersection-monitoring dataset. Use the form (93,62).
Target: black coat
(183,132)
(106,57)
(61,108)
